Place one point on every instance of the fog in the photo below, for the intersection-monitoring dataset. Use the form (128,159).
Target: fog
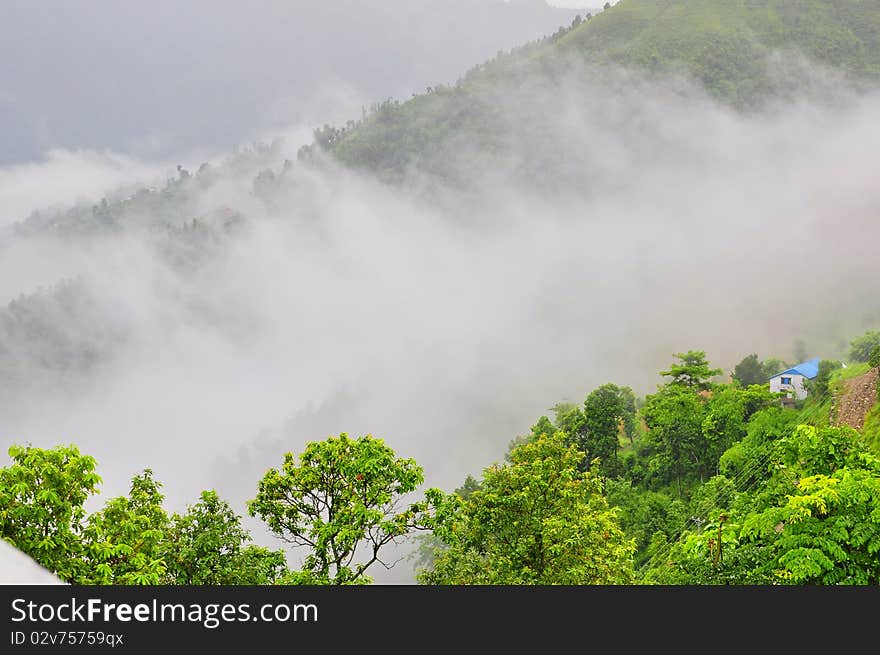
(65,177)
(447,324)
(157,79)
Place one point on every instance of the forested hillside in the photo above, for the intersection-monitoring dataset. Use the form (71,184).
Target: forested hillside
(743,53)
(725,43)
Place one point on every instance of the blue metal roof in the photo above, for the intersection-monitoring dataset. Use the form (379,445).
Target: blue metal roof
(809,369)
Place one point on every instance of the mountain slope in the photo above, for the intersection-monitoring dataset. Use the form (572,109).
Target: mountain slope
(857,398)
(726,45)
(724,42)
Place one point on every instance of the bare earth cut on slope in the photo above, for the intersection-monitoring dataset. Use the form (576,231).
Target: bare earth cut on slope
(858,397)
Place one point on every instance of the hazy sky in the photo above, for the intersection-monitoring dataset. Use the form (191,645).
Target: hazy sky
(160,78)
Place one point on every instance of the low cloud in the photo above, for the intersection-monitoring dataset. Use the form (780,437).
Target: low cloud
(338,303)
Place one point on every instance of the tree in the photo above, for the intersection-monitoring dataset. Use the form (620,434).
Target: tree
(749,371)
(471,484)
(125,542)
(826,529)
(342,494)
(604,412)
(208,546)
(692,372)
(874,362)
(689,430)
(818,386)
(675,428)
(643,514)
(726,420)
(41,504)
(328,136)
(810,517)
(830,529)
(772,366)
(765,428)
(595,427)
(536,520)
(697,560)
(543,426)
(861,347)
(628,404)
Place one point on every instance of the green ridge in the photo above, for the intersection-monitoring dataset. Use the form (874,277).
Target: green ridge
(724,44)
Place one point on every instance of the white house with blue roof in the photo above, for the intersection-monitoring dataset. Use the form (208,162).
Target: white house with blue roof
(791,381)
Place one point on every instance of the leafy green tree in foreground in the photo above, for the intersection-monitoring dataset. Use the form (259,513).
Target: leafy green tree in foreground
(536,520)
(815,519)
(208,545)
(342,495)
(131,540)
(826,530)
(41,504)
(124,542)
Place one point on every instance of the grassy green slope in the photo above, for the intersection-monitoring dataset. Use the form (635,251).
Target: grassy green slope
(723,43)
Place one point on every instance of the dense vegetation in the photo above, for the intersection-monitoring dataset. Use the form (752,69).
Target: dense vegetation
(701,482)
(730,47)
(724,43)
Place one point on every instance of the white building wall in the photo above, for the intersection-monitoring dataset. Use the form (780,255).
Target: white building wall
(18,568)
(796,387)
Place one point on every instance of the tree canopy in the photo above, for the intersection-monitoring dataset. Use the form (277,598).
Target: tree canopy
(538,519)
(341,494)
(692,370)
(861,347)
